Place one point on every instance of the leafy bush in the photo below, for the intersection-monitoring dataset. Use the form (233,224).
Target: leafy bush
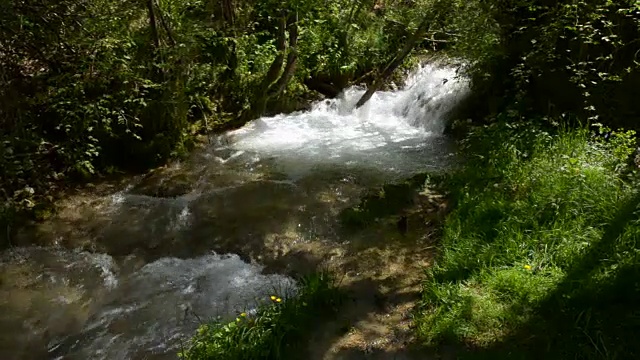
(545,225)
(275,331)
(83,90)
(551,57)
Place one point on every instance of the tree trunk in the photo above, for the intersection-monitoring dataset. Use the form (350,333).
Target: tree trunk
(166,27)
(292,57)
(276,79)
(325,88)
(394,64)
(153,25)
(227,12)
(276,65)
(262,94)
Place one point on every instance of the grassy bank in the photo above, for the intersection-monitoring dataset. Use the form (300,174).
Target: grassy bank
(276,330)
(540,257)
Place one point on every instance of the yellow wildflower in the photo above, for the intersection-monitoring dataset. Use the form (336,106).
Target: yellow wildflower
(243,314)
(273,297)
(278,300)
(527,267)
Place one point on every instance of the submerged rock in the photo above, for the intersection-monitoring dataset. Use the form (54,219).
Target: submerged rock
(383,202)
(160,184)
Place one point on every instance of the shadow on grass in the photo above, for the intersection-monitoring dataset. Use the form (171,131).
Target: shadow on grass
(594,313)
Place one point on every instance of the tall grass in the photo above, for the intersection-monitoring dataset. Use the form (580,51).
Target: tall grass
(540,256)
(277,330)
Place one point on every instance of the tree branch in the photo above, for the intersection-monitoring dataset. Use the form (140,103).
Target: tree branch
(394,64)
(292,57)
(166,27)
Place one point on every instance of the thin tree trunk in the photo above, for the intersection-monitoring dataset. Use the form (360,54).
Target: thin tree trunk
(394,64)
(292,57)
(227,12)
(273,73)
(276,65)
(166,27)
(153,25)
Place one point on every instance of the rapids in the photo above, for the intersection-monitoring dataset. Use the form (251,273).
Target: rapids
(132,273)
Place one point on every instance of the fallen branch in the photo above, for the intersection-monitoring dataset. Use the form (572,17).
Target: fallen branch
(394,64)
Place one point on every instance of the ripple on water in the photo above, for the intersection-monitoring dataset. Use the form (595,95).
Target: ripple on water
(80,308)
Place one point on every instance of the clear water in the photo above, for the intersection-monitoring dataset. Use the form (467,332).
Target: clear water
(153,266)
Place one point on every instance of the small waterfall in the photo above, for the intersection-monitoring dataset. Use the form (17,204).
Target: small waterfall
(431,93)
(380,134)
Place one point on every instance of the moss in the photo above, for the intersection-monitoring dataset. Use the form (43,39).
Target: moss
(381,202)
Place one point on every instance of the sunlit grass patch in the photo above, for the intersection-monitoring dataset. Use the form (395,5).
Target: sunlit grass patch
(274,331)
(533,238)
(463,312)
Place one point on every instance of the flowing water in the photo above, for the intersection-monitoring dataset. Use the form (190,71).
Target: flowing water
(130,273)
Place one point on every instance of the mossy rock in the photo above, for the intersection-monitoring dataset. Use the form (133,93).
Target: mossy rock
(43,211)
(379,203)
(165,185)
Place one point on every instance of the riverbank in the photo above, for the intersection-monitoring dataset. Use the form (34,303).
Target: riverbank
(377,275)
(539,257)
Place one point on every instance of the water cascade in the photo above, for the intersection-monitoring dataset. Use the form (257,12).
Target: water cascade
(147,267)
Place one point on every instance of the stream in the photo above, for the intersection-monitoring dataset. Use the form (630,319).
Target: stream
(130,270)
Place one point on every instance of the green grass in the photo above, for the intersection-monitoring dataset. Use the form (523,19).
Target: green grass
(540,258)
(278,329)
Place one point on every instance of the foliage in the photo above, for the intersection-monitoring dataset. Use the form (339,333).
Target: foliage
(275,331)
(80,94)
(539,258)
(552,57)
(346,38)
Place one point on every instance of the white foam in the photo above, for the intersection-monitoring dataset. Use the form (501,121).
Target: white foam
(380,134)
(164,301)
